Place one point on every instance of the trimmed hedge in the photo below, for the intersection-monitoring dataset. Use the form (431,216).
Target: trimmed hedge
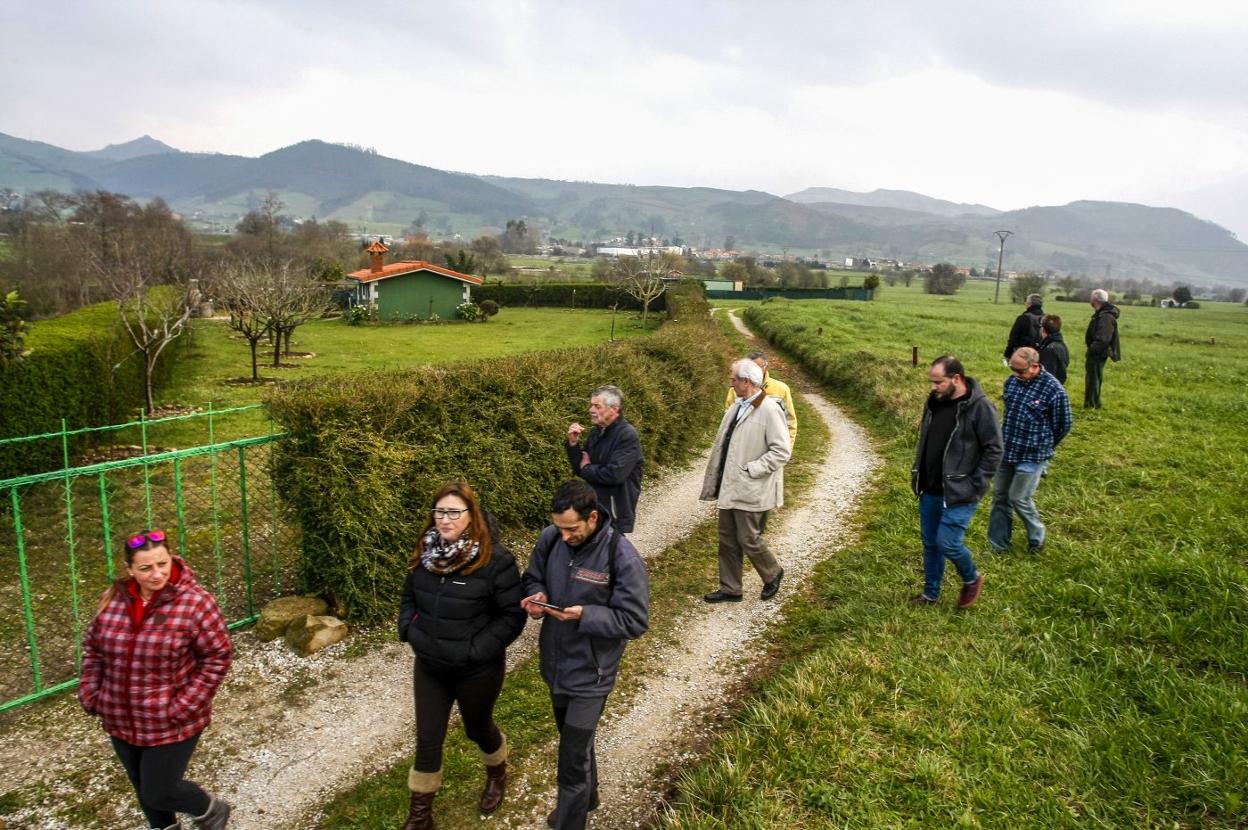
(364,455)
(69,374)
(564,295)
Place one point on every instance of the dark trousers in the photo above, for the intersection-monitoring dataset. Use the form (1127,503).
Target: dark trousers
(577,719)
(1093,376)
(156,773)
(475,691)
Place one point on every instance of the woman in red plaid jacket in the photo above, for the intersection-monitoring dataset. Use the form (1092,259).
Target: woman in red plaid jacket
(151,662)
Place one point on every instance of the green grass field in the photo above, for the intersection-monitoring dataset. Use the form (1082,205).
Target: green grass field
(1099,684)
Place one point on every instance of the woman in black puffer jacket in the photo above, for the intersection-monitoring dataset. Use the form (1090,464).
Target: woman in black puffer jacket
(459,612)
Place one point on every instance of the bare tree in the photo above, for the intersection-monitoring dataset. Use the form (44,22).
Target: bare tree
(293,299)
(642,279)
(146,274)
(242,290)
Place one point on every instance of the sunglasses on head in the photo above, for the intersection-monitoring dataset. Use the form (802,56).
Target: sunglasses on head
(140,539)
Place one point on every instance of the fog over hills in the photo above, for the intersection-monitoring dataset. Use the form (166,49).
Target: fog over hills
(380,194)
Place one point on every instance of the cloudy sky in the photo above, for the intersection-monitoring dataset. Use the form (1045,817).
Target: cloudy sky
(1009,104)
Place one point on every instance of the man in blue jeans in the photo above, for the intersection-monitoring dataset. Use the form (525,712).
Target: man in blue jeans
(959,449)
(1037,418)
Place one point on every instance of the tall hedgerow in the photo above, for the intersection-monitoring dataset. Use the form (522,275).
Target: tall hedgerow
(366,453)
(80,367)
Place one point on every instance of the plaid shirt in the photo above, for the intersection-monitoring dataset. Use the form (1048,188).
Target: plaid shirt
(1037,418)
(152,681)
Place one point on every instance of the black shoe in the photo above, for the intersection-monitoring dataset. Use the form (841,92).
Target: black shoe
(720,596)
(550,818)
(771,588)
(1035,549)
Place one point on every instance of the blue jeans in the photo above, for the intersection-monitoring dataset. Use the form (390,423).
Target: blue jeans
(1013,488)
(943,530)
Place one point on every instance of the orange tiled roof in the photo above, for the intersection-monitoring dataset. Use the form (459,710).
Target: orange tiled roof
(395,269)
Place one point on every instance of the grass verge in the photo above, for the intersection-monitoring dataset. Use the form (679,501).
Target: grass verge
(1101,684)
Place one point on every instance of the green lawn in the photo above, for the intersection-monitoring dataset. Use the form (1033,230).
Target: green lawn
(1099,684)
(218,359)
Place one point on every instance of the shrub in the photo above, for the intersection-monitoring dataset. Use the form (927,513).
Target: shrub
(943,279)
(469,311)
(364,457)
(80,367)
(871,282)
(489,308)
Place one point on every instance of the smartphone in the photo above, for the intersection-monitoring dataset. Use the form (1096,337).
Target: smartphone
(546,605)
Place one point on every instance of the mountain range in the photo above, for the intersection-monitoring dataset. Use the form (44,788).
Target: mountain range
(376,194)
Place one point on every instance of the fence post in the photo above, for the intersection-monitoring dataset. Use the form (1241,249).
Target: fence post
(147,470)
(242,497)
(277,576)
(108,531)
(26,605)
(216,520)
(70,541)
(914,355)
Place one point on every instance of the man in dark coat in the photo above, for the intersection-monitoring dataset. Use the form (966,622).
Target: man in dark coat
(1026,330)
(958,453)
(589,586)
(1054,356)
(611,460)
(1102,342)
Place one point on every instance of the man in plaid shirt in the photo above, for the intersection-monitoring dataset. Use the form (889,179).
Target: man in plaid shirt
(1037,418)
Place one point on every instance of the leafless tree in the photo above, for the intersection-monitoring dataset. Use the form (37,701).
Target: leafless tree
(146,271)
(242,290)
(642,279)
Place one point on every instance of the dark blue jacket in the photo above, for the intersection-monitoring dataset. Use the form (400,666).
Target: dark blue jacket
(614,469)
(581,658)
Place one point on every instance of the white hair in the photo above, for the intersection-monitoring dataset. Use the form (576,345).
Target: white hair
(611,395)
(1100,295)
(748,370)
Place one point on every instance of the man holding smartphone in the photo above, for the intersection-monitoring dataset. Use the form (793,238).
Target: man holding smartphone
(589,586)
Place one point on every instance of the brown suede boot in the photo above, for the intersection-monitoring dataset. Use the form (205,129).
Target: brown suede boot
(495,778)
(424,786)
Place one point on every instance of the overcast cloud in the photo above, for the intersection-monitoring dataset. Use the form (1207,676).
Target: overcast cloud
(1006,104)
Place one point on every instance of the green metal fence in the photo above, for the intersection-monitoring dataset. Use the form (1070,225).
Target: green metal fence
(62,536)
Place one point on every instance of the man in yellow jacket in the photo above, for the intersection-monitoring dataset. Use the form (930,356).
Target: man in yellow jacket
(772,388)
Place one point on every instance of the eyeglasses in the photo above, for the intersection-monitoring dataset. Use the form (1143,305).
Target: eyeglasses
(139,540)
(447,513)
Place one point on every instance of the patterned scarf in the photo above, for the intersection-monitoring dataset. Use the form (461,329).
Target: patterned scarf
(441,557)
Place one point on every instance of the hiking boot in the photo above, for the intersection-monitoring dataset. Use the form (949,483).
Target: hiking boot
(217,817)
(550,819)
(919,600)
(970,592)
(1035,549)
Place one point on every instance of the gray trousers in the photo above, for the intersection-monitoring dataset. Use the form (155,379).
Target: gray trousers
(741,535)
(577,775)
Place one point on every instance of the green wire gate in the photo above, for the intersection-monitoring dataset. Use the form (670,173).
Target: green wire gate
(60,535)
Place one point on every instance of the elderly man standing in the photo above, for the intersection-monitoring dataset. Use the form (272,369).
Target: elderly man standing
(1037,418)
(774,388)
(612,460)
(959,449)
(745,477)
(1102,342)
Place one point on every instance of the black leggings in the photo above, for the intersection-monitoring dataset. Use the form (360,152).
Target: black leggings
(475,692)
(156,773)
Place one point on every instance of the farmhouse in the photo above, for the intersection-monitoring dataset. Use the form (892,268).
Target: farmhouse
(411,288)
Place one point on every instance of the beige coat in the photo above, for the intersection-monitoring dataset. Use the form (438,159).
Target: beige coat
(776,389)
(754,469)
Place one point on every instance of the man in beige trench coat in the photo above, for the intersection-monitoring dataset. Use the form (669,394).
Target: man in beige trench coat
(745,477)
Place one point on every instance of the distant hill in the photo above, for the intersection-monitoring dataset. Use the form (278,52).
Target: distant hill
(380,194)
(899,199)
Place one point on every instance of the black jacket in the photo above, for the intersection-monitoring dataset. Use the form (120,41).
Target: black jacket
(1026,330)
(973,452)
(581,659)
(463,621)
(614,469)
(1054,356)
(1102,335)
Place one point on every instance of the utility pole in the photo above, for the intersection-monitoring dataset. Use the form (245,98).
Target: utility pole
(1000,256)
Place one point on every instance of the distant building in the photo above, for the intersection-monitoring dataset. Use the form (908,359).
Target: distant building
(646,250)
(411,288)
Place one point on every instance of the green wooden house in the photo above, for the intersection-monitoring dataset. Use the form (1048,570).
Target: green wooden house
(411,289)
